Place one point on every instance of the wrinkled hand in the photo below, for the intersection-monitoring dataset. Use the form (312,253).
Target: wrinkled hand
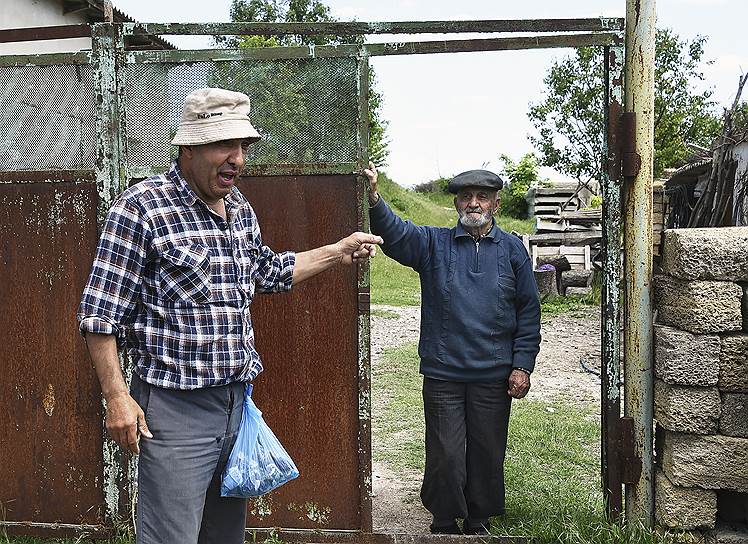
(358,246)
(125,422)
(372,174)
(519,384)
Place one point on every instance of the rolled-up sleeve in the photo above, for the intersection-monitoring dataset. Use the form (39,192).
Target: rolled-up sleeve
(113,287)
(274,270)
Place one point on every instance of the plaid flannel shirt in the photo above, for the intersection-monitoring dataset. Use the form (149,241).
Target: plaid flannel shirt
(173,281)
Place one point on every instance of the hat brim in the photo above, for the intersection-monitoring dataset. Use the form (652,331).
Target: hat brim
(207,133)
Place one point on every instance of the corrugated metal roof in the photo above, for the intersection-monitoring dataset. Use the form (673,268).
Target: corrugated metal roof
(689,172)
(95,14)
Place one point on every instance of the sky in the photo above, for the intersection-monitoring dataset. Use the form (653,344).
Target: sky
(454,112)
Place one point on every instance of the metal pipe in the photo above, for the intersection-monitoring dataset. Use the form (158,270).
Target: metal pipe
(638,370)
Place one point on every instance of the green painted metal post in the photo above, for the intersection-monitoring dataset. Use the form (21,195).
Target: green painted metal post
(638,367)
(108,59)
(611,288)
(364,322)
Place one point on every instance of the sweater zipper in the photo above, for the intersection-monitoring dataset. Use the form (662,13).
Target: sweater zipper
(477,251)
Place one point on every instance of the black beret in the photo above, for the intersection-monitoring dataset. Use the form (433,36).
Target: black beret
(475,178)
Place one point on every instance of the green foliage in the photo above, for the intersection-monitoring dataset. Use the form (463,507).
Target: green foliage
(520,176)
(310,11)
(434,186)
(569,120)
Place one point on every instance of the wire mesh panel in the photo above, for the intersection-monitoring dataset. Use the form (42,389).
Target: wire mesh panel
(305,109)
(47,117)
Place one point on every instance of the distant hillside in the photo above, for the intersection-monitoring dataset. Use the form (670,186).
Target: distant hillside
(417,207)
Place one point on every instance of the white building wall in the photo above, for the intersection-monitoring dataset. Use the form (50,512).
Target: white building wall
(31,13)
(740,192)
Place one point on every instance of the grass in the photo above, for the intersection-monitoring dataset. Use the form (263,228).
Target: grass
(552,467)
(397,285)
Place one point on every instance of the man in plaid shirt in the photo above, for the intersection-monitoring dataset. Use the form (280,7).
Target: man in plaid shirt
(178,263)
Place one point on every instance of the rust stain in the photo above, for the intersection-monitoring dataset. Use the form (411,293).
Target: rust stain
(49,400)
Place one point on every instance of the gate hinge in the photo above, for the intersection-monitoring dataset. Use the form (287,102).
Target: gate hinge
(631,465)
(631,161)
(623,160)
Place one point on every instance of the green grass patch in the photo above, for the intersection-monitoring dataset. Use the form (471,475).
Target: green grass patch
(385,314)
(552,467)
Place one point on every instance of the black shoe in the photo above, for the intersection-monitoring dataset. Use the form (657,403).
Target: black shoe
(452,529)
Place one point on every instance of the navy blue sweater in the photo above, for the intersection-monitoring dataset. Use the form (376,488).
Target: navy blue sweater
(480,312)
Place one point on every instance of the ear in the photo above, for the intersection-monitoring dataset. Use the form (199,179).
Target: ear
(455,202)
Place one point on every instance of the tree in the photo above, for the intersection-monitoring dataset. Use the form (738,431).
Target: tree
(310,11)
(521,176)
(570,121)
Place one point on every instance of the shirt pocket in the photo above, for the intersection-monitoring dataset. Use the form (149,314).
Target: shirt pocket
(185,274)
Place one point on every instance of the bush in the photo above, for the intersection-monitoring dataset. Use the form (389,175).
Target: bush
(433,186)
(519,178)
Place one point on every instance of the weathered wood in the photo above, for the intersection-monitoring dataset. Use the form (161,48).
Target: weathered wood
(38,33)
(546,282)
(46,59)
(576,278)
(566,238)
(374,49)
(356,28)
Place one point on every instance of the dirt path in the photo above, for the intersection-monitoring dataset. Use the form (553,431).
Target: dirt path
(570,343)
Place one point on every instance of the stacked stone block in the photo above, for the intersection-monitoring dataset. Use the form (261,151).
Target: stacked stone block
(701,377)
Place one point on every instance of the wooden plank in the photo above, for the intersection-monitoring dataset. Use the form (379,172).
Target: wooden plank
(526,242)
(356,28)
(555,198)
(39,33)
(567,238)
(371,50)
(545,250)
(568,190)
(587,258)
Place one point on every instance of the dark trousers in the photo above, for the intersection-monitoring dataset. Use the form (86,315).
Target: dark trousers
(466,434)
(180,468)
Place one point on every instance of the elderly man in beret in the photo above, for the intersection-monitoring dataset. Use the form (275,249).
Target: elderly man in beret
(480,335)
(179,261)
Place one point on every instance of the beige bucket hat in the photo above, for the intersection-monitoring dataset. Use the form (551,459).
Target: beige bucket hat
(211,115)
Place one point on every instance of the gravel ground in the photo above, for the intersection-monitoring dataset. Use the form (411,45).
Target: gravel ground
(564,372)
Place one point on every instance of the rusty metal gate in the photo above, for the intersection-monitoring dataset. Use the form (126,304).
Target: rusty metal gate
(78,128)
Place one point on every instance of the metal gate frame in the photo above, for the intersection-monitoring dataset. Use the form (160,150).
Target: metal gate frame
(109,54)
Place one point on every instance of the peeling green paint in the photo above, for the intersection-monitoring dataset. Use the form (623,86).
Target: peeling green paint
(261,507)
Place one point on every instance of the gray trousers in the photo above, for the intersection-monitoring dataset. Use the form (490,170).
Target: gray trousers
(466,434)
(179,469)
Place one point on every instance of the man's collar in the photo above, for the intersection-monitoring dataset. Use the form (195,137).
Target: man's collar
(494,233)
(184,190)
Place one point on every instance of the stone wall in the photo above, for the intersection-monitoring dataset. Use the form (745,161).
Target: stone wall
(701,383)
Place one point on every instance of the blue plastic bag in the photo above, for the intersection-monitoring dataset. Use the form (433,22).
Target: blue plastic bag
(258,463)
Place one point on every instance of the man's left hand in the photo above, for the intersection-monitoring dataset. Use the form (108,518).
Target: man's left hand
(519,384)
(358,246)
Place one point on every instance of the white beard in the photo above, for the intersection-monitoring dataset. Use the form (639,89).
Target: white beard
(471,222)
